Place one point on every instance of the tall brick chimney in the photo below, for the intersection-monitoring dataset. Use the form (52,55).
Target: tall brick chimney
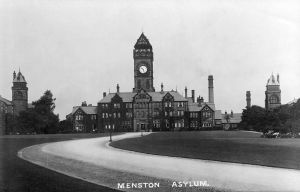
(193,96)
(118,88)
(185,92)
(210,89)
(248,99)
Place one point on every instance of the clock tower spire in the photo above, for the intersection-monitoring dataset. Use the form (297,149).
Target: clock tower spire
(143,65)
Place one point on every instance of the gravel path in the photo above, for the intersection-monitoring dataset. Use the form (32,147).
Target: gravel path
(163,169)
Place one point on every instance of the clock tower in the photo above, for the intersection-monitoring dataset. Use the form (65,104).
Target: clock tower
(143,65)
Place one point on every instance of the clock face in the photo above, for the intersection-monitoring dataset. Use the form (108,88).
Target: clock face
(143,69)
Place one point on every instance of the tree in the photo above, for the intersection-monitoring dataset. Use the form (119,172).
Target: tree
(40,119)
(65,126)
(283,119)
(254,117)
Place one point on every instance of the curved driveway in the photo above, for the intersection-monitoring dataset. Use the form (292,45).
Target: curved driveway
(222,175)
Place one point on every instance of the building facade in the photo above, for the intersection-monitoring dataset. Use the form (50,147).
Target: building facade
(84,118)
(18,103)
(145,109)
(273,93)
(19,93)
(5,108)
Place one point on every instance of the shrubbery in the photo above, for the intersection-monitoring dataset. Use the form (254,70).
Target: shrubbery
(37,120)
(284,120)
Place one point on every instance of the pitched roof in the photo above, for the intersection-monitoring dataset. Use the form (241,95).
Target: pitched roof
(293,101)
(156,96)
(19,78)
(142,43)
(196,107)
(90,110)
(237,118)
(218,114)
(7,102)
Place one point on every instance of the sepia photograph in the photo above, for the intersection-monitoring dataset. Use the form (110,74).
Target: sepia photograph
(149,95)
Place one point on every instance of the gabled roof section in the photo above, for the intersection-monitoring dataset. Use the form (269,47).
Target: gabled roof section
(194,107)
(89,110)
(156,96)
(218,114)
(206,105)
(7,102)
(143,43)
(139,94)
(168,96)
(117,98)
(19,78)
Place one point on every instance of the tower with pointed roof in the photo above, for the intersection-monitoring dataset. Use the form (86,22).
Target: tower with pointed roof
(19,93)
(273,93)
(143,65)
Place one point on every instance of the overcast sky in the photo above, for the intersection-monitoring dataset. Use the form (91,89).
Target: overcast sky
(80,48)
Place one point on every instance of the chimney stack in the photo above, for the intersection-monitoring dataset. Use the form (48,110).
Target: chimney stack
(193,96)
(231,113)
(118,88)
(210,89)
(278,78)
(201,100)
(84,104)
(248,99)
(14,75)
(198,99)
(162,87)
(104,94)
(185,92)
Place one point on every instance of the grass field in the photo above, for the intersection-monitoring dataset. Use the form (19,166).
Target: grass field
(17,175)
(230,146)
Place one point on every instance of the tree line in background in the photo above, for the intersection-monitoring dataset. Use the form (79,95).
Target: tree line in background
(37,120)
(285,119)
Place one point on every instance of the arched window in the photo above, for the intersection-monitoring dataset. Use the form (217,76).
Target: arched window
(273,99)
(139,84)
(148,84)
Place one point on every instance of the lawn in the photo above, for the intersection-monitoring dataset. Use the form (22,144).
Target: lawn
(227,146)
(17,175)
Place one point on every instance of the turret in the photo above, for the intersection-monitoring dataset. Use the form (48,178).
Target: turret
(19,93)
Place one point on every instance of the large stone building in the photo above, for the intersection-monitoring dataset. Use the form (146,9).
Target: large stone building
(273,93)
(18,103)
(145,109)
(84,118)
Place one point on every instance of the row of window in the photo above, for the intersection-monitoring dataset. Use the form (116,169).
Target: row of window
(194,124)
(143,114)
(114,115)
(109,126)
(179,124)
(80,117)
(174,113)
(156,124)
(144,105)
(193,115)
